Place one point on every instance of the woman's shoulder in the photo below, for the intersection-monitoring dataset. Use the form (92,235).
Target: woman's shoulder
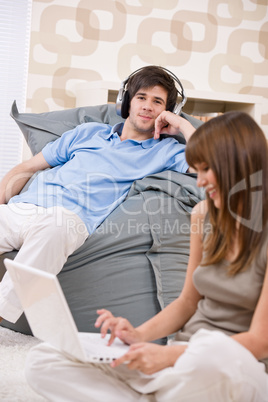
(198,218)
(200,210)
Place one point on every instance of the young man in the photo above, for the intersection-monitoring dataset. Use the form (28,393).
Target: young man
(85,175)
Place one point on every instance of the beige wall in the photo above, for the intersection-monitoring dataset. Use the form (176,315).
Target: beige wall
(211,45)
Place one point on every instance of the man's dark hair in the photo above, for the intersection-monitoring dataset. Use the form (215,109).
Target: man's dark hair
(151,76)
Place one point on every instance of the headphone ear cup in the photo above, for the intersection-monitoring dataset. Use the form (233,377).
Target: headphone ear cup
(125,105)
(118,103)
(177,108)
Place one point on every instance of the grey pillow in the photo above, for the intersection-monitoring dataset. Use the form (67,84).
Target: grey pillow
(41,128)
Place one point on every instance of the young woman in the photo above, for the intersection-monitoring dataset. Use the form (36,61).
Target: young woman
(220,349)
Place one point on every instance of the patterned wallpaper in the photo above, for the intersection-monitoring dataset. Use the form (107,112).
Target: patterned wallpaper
(211,45)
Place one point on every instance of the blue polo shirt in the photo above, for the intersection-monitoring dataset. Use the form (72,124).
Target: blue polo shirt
(93,170)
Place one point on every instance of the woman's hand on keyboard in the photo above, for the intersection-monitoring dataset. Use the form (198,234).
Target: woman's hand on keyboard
(119,327)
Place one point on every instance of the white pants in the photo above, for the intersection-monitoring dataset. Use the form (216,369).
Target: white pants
(44,237)
(214,368)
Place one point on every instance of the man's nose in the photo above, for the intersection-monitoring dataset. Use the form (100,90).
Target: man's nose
(148,104)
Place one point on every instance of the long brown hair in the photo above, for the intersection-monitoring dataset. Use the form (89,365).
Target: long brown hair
(235,148)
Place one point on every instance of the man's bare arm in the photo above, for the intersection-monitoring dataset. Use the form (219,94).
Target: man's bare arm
(16,178)
(169,123)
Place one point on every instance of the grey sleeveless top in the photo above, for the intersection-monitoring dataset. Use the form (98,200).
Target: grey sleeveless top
(228,302)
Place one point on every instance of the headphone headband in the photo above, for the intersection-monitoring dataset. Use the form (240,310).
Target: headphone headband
(122,101)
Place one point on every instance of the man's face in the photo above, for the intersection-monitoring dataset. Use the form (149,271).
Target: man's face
(145,106)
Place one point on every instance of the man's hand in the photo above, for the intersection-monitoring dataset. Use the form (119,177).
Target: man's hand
(172,124)
(118,326)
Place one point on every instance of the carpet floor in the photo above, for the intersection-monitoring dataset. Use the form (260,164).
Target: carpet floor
(13,351)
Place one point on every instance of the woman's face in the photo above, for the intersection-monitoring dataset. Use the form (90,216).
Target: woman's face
(207,179)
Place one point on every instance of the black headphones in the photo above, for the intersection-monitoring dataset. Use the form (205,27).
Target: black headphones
(122,101)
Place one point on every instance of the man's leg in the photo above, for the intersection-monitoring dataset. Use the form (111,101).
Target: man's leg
(45,238)
(50,238)
(10,224)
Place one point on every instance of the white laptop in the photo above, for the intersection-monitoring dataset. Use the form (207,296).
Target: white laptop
(50,318)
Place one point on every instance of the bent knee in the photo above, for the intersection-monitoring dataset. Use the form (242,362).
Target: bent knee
(217,362)
(210,352)
(67,226)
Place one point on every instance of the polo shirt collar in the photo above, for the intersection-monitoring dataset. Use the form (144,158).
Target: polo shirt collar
(148,143)
(117,128)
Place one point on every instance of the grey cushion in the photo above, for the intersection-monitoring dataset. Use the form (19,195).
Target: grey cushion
(41,128)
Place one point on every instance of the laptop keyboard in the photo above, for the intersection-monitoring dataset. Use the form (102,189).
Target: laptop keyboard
(96,347)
